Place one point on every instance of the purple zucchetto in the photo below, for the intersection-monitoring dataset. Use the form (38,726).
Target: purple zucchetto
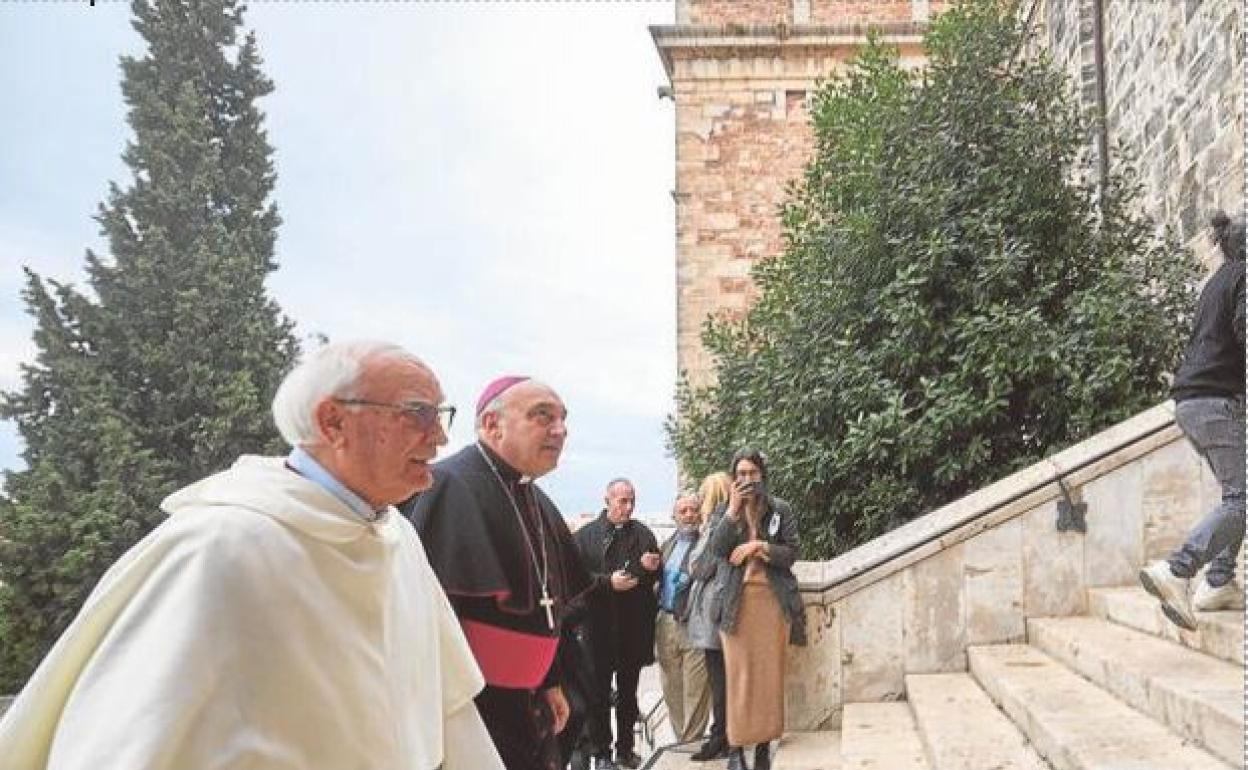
(496,389)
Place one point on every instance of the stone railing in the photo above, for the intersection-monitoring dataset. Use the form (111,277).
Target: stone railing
(973,571)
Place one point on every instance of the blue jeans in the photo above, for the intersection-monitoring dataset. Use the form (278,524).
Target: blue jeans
(1215,427)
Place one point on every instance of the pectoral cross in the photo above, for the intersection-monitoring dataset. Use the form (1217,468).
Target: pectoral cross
(548,603)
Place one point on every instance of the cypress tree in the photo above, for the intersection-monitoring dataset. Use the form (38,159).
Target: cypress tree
(162,371)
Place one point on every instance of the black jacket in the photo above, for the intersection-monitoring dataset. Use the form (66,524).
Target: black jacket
(1214,362)
(621,624)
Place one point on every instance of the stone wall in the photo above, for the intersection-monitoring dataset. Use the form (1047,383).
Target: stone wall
(738,143)
(833,12)
(1171,75)
(960,576)
(738,11)
(742,134)
(869,11)
(1174,92)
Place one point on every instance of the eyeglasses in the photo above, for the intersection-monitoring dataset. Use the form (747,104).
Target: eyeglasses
(424,415)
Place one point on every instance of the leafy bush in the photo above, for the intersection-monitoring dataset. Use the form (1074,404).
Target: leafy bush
(956,298)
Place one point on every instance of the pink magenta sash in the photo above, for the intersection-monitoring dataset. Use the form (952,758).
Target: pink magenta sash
(510,659)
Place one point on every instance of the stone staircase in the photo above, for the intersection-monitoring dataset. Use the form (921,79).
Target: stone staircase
(1118,689)
(992,634)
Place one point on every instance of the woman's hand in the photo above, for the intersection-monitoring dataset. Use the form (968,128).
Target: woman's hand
(746,551)
(736,499)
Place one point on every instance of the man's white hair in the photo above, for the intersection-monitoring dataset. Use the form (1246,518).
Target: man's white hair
(331,372)
(494,407)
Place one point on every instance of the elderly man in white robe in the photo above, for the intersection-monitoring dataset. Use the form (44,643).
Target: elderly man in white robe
(284,616)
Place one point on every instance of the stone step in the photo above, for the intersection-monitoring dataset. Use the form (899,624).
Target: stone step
(794,751)
(881,736)
(678,759)
(806,751)
(1074,724)
(962,729)
(1220,634)
(1197,696)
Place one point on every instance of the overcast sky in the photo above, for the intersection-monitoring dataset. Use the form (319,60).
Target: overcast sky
(484,183)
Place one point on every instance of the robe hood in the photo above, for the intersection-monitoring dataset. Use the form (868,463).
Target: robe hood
(268,487)
(263,624)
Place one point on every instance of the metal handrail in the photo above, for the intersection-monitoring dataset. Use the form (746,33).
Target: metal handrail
(660,751)
(643,724)
(1059,476)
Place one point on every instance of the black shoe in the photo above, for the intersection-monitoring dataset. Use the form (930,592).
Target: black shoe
(736,759)
(603,762)
(714,748)
(762,756)
(627,758)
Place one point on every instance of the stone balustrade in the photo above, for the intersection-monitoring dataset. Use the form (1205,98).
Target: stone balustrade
(974,571)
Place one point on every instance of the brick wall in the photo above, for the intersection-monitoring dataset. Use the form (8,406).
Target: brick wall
(869,11)
(750,12)
(738,144)
(742,134)
(739,11)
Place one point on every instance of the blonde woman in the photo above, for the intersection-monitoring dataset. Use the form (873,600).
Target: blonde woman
(702,609)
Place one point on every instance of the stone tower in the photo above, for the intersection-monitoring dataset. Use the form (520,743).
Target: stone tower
(740,72)
(1166,77)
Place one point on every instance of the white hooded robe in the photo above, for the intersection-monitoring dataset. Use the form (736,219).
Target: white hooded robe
(263,625)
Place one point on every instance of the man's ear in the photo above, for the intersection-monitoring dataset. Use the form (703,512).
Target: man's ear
(330,417)
(489,423)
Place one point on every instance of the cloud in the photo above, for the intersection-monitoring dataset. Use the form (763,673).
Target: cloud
(485,183)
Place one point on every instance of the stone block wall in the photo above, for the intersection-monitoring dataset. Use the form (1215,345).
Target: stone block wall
(978,584)
(1174,88)
(1175,101)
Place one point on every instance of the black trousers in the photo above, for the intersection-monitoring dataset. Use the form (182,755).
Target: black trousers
(520,724)
(626,710)
(716,675)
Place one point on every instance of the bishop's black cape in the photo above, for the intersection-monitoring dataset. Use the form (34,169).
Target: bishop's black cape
(476,546)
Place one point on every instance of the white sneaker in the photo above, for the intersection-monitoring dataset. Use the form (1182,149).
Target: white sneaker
(1159,581)
(1225,597)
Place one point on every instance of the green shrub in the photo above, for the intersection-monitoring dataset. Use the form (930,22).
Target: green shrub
(956,298)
